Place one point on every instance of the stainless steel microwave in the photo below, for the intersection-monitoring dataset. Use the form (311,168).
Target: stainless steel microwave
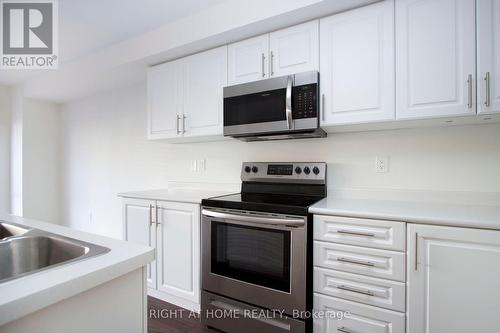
(284,107)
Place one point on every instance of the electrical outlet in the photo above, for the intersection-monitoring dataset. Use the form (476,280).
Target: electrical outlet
(199,165)
(382,164)
(202,165)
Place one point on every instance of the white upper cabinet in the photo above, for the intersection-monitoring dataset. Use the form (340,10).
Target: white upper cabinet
(488,55)
(248,60)
(357,65)
(164,100)
(185,96)
(435,58)
(294,50)
(453,280)
(204,76)
(283,52)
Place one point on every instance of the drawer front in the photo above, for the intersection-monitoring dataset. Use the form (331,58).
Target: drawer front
(360,260)
(361,318)
(361,232)
(372,291)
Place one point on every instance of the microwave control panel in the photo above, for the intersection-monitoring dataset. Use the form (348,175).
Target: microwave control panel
(305,101)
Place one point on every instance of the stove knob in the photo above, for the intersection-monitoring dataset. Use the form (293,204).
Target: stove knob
(307,170)
(298,170)
(316,170)
(247,169)
(255,169)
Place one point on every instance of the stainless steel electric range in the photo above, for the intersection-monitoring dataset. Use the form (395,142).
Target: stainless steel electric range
(257,250)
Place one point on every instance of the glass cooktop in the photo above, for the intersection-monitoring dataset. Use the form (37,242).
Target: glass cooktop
(274,203)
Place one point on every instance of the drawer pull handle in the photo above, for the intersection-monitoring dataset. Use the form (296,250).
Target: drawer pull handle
(344,330)
(355,233)
(357,262)
(356,290)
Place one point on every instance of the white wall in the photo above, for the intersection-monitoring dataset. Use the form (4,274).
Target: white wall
(41,160)
(4,150)
(16,153)
(105,151)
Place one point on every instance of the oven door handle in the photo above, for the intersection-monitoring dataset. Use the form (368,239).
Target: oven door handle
(296,222)
(288,103)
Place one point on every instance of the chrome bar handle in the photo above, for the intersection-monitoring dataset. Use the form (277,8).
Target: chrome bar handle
(177,124)
(183,123)
(263,59)
(355,233)
(272,63)
(356,262)
(255,219)
(344,330)
(150,215)
(323,107)
(288,103)
(487,81)
(469,91)
(416,252)
(156,215)
(356,290)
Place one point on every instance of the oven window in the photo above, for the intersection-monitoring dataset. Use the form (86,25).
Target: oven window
(262,107)
(255,255)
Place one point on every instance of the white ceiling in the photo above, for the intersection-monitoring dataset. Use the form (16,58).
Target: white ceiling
(89,25)
(86,26)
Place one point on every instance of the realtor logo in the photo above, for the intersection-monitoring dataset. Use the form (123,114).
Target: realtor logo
(29,34)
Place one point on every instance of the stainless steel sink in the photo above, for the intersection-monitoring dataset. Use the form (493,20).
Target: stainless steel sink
(9,230)
(26,251)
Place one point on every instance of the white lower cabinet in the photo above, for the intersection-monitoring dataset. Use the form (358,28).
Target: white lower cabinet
(365,282)
(173,228)
(138,227)
(360,260)
(453,280)
(360,319)
(363,289)
(178,237)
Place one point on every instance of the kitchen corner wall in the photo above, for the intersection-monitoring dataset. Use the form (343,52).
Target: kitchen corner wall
(41,160)
(105,151)
(5,110)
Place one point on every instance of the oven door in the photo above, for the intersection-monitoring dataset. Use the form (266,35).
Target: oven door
(256,258)
(258,107)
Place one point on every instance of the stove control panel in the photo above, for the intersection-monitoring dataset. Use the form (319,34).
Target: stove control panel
(288,172)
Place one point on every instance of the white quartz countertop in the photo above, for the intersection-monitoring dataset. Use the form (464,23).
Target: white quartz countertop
(179,194)
(451,214)
(27,294)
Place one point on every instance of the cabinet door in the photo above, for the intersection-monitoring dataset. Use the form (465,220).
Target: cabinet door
(294,50)
(488,55)
(139,227)
(357,65)
(179,250)
(248,60)
(359,318)
(435,58)
(164,100)
(453,280)
(205,74)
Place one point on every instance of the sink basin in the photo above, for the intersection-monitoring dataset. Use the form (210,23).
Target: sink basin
(28,251)
(9,230)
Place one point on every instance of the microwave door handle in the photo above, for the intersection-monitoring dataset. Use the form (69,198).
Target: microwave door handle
(288,103)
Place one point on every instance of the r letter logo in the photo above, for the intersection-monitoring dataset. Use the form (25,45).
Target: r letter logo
(29,34)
